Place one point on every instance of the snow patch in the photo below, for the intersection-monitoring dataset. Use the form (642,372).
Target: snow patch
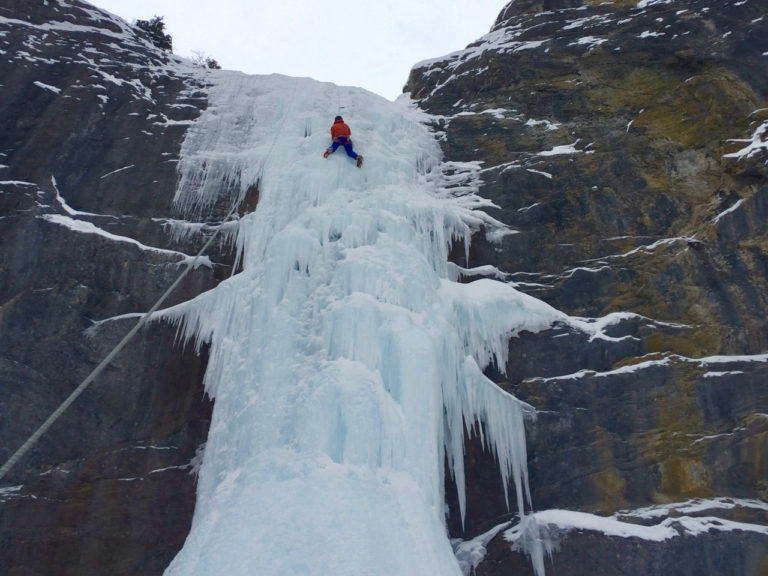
(545,174)
(650,34)
(9,492)
(47,87)
(546,123)
(721,374)
(728,210)
(646,3)
(89,228)
(564,149)
(590,41)
(116,171)
(758,143)
(573,520)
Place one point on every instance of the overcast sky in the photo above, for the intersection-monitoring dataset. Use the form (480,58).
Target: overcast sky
(372,44)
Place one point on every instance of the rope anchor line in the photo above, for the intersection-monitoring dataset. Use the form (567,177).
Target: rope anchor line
(32,440)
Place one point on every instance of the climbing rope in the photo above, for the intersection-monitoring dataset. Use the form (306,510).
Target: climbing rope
(340,109)
(32,440)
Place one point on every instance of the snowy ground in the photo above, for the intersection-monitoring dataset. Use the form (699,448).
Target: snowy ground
(344,357)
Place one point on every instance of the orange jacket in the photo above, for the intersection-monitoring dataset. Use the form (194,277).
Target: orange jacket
(340,130)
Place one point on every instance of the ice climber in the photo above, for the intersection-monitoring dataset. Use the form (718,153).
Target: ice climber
(341,133)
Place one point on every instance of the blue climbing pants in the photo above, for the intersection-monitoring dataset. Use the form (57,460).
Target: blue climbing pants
(347,143)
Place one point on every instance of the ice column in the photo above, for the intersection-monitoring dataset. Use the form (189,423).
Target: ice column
(344,362)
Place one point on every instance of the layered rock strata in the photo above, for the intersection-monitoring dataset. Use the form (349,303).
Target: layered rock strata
(625,145)
(92,117)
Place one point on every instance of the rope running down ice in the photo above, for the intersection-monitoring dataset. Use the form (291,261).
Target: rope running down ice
(32,440)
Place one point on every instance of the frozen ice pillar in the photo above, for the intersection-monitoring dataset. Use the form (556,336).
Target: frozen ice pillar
(345,363)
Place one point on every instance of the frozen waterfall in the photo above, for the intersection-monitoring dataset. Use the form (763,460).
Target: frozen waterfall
(345,359)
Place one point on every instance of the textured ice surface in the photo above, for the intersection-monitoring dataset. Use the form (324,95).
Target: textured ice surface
(345,362)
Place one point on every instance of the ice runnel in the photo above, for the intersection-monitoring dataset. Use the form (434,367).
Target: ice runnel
(344,362)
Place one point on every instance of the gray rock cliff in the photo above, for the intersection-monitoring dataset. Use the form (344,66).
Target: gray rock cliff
(91,122)
(625,145)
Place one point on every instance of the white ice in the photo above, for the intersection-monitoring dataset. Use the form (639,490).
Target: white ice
(344,362)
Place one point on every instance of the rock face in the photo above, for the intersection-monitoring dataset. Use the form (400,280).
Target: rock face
(626,146)
(92,117)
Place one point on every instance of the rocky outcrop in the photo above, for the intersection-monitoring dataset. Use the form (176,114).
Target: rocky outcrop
(624,144)
(91,122)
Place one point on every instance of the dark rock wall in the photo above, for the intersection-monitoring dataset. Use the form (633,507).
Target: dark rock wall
(604,130)
(652,105)
(92,117)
